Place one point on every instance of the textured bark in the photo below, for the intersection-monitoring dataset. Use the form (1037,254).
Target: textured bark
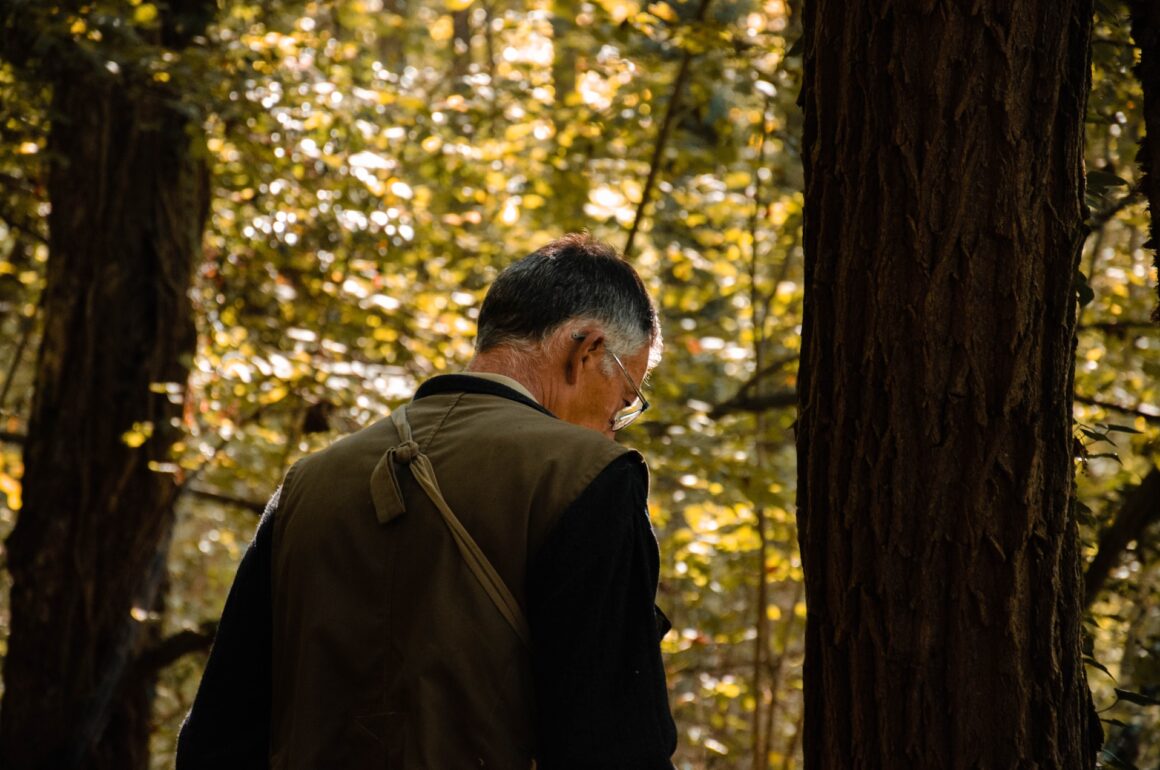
(1145,15)
(943,224)
(87,555)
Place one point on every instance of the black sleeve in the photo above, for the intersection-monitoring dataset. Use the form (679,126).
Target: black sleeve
(601,697)
(229,724)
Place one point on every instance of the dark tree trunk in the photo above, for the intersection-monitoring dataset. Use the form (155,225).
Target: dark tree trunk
(1145,16)
(943,225)
(87,555)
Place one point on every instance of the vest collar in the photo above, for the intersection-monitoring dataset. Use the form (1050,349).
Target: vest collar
(465,383)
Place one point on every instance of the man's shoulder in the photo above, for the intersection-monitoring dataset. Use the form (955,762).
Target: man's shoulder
(351,452)
(511,425)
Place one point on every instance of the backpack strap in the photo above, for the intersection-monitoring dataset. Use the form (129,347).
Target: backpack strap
(388,499)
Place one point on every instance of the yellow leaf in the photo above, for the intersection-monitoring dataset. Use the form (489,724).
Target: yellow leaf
(138,434)
(442,29)
(737,179)
(275,394)
(619,10)
(663,11)
(458,5)
(146,13)
(9,485)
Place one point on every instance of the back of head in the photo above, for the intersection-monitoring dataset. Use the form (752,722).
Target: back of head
(574,278)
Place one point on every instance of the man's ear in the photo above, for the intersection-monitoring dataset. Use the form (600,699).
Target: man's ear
(586,347)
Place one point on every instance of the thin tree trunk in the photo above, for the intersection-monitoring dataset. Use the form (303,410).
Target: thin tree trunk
(569,178)
(461,48)
(87,555)
(392,42)
(943,224)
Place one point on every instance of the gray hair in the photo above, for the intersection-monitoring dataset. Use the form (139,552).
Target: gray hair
(575,280)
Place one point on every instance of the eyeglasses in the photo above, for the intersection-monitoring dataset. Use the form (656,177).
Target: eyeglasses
(625,416)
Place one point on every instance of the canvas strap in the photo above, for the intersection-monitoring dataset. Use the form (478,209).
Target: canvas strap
(388,499)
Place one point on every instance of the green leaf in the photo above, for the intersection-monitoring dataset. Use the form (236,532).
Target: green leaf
(1095,435)
(1099,180)
(1088,659)
(1136,697)
(1109,759)
(1112,428)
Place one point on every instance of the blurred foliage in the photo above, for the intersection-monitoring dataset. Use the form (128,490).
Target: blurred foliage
(376,162)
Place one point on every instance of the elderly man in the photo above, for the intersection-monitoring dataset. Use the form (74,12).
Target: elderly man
(468,584)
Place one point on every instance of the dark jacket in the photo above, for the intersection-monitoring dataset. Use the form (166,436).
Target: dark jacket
(386,651)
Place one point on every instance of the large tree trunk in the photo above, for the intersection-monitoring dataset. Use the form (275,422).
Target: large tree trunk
(944,219)
(129,201)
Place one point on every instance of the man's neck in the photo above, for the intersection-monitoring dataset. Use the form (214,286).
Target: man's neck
(506,364)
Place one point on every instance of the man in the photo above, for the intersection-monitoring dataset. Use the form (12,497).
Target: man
(468,584)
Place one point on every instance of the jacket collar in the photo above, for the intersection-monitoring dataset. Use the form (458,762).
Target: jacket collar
(465,383)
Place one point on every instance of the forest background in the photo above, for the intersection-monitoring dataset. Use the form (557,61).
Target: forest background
(374,163)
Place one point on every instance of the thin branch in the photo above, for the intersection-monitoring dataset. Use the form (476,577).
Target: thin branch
(172,648)
(773,367)
(1141,507)
(9,437)
(1115,327)
(24,225)
(755,404)
(663,136)
(1152,417)
(17,356)
(219,497)
(1108,213)
(254,506)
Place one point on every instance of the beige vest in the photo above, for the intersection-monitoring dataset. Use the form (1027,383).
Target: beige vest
(389,652)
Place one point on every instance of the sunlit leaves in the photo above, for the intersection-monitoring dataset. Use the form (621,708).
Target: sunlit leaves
(376,162)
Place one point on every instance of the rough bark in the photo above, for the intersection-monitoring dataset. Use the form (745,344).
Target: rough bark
(87,555)
(943,224)
(1145,16)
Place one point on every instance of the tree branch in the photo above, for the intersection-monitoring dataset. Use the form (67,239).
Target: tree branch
(172,648)
(1141,508)
(1152,417)
(1119,327)
(754,404)
(8,437)
(217,497)
(663,136)
(24,225)
(17,356)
